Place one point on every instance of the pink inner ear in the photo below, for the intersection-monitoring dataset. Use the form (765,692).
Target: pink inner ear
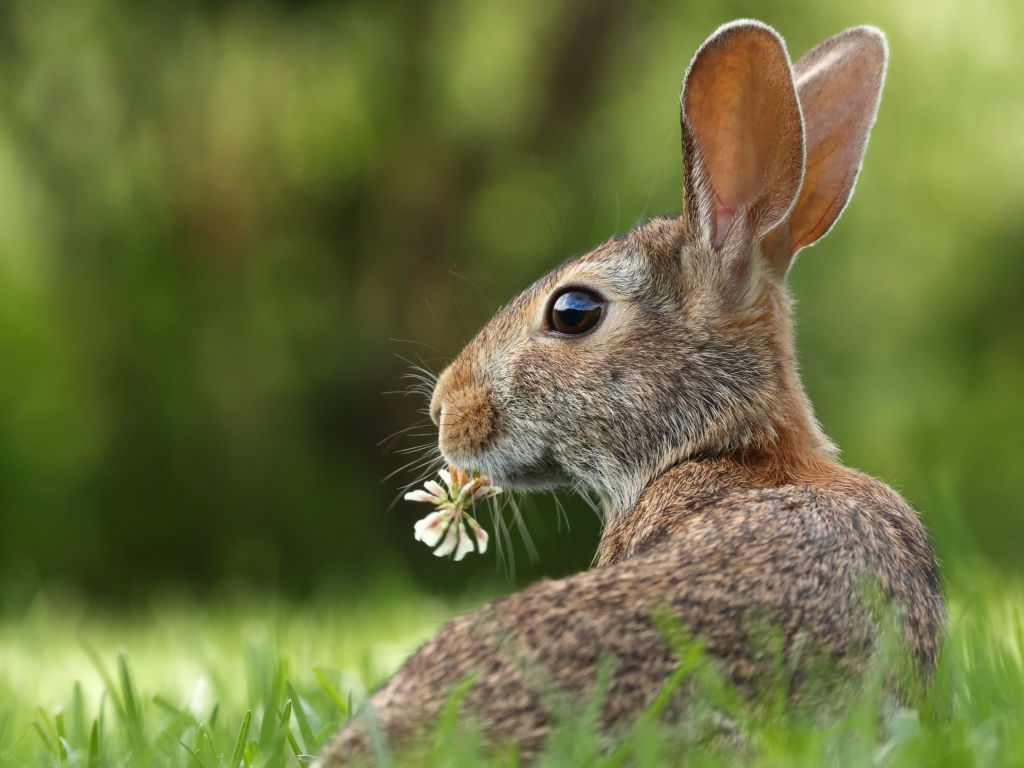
(724,215)
(733,149)
(741,104)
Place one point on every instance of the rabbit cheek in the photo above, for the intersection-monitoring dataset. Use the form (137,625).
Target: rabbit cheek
(469,423)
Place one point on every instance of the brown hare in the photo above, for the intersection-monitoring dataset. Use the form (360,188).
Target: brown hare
(658,372)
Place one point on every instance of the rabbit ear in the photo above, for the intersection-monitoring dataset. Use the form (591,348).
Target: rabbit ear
(839,83)
(743,145)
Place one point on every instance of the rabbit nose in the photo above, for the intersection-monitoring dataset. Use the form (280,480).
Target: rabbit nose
(436,411)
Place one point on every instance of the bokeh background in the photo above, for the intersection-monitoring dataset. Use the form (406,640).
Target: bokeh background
(227,230)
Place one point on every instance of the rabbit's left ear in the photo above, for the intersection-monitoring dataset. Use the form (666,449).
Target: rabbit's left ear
(743,139)
(839,83)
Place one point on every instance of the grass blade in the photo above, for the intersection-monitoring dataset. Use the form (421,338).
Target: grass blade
(47,741)
(169,708)
(94,746)
(193,752)
(108,681)
(333,694)
(78,733)
(62,741)
(302,716)
(132,708)
(243,735)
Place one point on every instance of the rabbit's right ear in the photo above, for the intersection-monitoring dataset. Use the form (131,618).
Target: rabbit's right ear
(839,83)
(743,142)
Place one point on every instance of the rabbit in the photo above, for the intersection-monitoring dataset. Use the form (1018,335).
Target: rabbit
(658,372)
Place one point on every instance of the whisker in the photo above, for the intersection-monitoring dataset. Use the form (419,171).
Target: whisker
(504,551)
(413,341)
(430,468)
(416,449)
(453,271)
(421,367)
(561,227)
(580,491)
(517,517)
(402,431)
(560,509)
(415,464)
(421,375)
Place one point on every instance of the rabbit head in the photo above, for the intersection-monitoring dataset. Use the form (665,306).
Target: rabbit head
(673,340)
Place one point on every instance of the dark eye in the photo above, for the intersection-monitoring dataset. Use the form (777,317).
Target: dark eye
(576,311)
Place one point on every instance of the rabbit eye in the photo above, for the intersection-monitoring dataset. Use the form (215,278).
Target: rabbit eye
(575,312)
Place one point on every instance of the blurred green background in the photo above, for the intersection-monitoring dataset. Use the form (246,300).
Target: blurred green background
(227,228)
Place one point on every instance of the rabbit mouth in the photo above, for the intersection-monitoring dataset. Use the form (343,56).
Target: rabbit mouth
(530,482)
(516,474)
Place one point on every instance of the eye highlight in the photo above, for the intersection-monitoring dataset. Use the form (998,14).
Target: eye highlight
(575,311)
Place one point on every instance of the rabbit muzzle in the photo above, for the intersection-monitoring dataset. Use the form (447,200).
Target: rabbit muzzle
(472,434)
(467,417)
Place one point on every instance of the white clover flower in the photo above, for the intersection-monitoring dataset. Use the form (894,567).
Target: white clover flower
(445,528)
(431,528)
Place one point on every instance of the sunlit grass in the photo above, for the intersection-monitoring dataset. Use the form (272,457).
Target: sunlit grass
(265,683)
(150,688)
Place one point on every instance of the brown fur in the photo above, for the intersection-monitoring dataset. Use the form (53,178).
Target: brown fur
(683,411)
(471,419)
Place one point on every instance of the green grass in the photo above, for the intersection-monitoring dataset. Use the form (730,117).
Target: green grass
(262,683)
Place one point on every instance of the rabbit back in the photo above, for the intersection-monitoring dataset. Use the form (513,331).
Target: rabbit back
(729,561)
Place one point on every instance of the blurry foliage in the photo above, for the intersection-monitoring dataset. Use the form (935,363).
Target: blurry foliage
(223,226)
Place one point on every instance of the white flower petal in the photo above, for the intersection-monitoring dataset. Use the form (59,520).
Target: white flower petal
(419,496)
(431,528)
(465,544)
(439,492)
(485,492)
(451,538)
(446,476)
(469,488)
(480,534)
